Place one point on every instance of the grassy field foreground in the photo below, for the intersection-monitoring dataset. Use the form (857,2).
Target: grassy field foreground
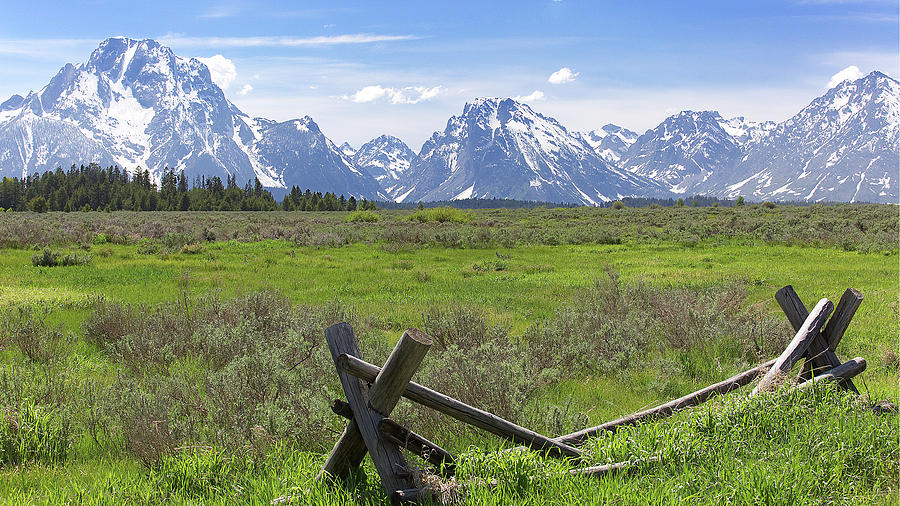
(174,367)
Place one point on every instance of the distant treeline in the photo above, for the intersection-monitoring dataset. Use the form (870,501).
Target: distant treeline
(93,188)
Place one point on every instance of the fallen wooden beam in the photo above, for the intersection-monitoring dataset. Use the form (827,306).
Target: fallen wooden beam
(671,407)
(444,461)
(820,353)
(842,372)
(463,412)
(797,347)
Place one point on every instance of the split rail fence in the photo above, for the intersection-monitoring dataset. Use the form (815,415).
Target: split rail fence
(373,392)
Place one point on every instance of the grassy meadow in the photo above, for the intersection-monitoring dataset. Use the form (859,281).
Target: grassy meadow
(179,357)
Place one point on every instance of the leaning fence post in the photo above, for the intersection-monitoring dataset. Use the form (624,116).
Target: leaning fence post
(798,346)
(371,405)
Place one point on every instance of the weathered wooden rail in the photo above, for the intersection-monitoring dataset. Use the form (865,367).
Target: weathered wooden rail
(373,392)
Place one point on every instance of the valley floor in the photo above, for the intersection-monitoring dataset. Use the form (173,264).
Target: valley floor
(784,448)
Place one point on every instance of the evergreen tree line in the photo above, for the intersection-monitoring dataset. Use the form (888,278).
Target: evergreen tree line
(93,188)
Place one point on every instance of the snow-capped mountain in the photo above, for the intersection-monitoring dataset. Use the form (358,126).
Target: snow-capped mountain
(386,158)
(502,148)
(610,141)
(843,146)
(684,150)
(348,150)
(137,104)
(745,131)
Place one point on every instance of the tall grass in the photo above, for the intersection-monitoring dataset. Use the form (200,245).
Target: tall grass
(30,434)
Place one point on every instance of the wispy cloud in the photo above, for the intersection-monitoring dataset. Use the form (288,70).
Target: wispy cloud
(44,47)
(221,11)
(405,95)
(266,41)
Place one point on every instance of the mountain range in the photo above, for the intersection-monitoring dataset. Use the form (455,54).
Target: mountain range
(135,103)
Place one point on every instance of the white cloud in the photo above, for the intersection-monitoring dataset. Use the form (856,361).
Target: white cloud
(534,96)
(561,76)
(406,95)
(329,40)
(850,73)
(245,90)
(221,70)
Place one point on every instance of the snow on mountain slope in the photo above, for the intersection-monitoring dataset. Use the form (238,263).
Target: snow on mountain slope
(685,150)
(136,104)
(610,141)
(501,148)
(745,131)
(386,158)
(843,146)
(348,150)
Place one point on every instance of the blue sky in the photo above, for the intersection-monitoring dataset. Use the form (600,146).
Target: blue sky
(361,69)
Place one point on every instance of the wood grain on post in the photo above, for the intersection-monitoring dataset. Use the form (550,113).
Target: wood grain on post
(669,408)
(443,460)
(840,320)
(795,350)
(463,412)
(350,449)
(819,353)
(369,407)
(842,372)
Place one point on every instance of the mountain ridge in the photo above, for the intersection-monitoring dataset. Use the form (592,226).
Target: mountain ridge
(135,103)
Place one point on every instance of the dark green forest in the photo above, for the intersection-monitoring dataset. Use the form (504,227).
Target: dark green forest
(93,188)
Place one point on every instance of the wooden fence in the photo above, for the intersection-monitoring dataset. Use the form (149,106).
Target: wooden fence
(373,392)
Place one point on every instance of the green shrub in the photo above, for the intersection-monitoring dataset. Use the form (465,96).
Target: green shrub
(362,217)
(76,259)
(50,258)
(148,246)
(618,205)
(46,258)
(192,249)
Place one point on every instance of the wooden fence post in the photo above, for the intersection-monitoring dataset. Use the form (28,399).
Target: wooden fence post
(797,347)
(371,405)
(819,353)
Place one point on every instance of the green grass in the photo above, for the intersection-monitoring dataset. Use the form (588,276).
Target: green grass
(818,446)
(788,448)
